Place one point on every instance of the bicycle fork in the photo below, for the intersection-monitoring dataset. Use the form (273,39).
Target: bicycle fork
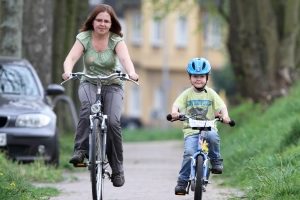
(193,170)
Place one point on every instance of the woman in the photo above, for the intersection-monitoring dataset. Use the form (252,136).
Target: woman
(101,44)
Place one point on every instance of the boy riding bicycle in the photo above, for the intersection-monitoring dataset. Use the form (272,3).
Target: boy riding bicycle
(204,103)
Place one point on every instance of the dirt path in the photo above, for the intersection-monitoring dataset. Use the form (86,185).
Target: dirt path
(150,172)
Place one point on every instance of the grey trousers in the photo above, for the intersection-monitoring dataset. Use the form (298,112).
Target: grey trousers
(112,102)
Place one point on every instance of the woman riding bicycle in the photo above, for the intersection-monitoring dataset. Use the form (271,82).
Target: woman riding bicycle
(101,44)
(204,103)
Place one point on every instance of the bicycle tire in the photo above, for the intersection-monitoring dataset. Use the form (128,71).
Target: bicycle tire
(96,164)
(199,178)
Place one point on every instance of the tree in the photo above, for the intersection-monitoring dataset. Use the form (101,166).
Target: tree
(68,17)
(37,37)
(263,43)
(11,27)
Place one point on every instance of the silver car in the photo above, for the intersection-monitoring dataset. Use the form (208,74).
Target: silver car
(27,121)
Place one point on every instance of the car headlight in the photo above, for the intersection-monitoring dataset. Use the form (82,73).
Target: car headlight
(32,120)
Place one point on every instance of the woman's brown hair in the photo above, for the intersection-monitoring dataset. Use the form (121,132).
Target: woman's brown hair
(115,24)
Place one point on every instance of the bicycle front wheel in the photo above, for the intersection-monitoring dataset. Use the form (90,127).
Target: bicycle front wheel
(96,161)
(199,178)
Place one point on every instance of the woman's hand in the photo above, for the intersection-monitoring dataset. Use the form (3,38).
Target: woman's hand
(134,76)
(66,75)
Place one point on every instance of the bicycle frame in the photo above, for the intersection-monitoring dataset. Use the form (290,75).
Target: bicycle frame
(98,132)
(202,151)
(204,154)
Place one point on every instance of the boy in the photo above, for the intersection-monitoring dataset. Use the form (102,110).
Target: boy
(204,102)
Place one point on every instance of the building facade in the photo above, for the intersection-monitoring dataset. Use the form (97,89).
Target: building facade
(160,45)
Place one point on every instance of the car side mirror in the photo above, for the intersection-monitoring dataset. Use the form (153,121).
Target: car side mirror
(55,89)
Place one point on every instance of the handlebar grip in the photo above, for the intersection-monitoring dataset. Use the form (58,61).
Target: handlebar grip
(181,117)
(169,117)
(232,123)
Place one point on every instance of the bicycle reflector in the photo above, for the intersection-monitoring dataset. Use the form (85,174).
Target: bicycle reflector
(95,108)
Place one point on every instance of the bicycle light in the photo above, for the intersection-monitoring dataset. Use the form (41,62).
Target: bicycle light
(95,108)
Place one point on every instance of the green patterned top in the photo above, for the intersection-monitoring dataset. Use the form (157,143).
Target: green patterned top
(100,62)
(203,104)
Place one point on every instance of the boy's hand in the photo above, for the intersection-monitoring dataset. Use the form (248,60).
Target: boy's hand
(225,119)
(175,116)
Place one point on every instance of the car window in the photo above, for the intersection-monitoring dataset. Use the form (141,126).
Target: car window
(17,80)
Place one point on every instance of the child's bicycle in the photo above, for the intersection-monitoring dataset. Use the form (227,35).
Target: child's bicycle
(97,162)
(200,168)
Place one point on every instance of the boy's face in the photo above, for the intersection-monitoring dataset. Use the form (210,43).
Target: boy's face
(198,81)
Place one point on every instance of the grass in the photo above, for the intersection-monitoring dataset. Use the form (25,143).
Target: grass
(152,134)
(261,154)
(15,180)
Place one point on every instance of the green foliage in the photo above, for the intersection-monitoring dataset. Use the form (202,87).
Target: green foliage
(15,180)
(152,134)
(224,79)
(262,152)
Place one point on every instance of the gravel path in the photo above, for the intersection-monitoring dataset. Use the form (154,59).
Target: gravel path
(150,171)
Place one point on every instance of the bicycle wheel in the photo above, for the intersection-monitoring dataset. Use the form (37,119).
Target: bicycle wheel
(96,169)
(199,178)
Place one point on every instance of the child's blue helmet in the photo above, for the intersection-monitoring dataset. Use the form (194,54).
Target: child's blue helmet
(198,66)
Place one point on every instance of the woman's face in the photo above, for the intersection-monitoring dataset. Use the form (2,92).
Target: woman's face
(198,81)
(102,23)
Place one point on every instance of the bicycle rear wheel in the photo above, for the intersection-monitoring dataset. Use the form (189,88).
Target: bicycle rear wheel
(96,161)
(199,178)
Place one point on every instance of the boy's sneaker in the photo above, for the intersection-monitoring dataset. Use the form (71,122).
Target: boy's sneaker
(118,179)
(180,188)
(216,166)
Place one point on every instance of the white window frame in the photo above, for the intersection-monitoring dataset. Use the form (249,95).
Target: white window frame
(136,29)
(157,32)
(181,33)
(212,32)
(134,103)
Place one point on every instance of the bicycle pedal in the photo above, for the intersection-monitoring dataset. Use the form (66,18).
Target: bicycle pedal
(108,175)
(180,193)
(80,164)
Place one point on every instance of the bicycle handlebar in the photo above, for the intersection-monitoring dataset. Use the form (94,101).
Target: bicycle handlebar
(183,117)
(117,74)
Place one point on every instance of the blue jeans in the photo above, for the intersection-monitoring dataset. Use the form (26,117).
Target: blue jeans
(191,146)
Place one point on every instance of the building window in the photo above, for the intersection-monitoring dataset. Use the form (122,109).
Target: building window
(181,31)
(136,36)
(157,33)
(212,32)
(134,102)
(158,99)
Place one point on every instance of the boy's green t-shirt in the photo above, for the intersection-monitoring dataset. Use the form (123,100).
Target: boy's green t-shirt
(100,63)
(203,104)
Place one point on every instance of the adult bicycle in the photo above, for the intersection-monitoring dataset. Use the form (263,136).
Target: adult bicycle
(97,162)
(200,162)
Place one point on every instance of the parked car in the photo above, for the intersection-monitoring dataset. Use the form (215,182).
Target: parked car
(27,122)
(131,122)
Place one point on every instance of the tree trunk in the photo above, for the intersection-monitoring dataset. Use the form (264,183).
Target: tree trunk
(262,45)
(11,27)
(37,37)
(68,16)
